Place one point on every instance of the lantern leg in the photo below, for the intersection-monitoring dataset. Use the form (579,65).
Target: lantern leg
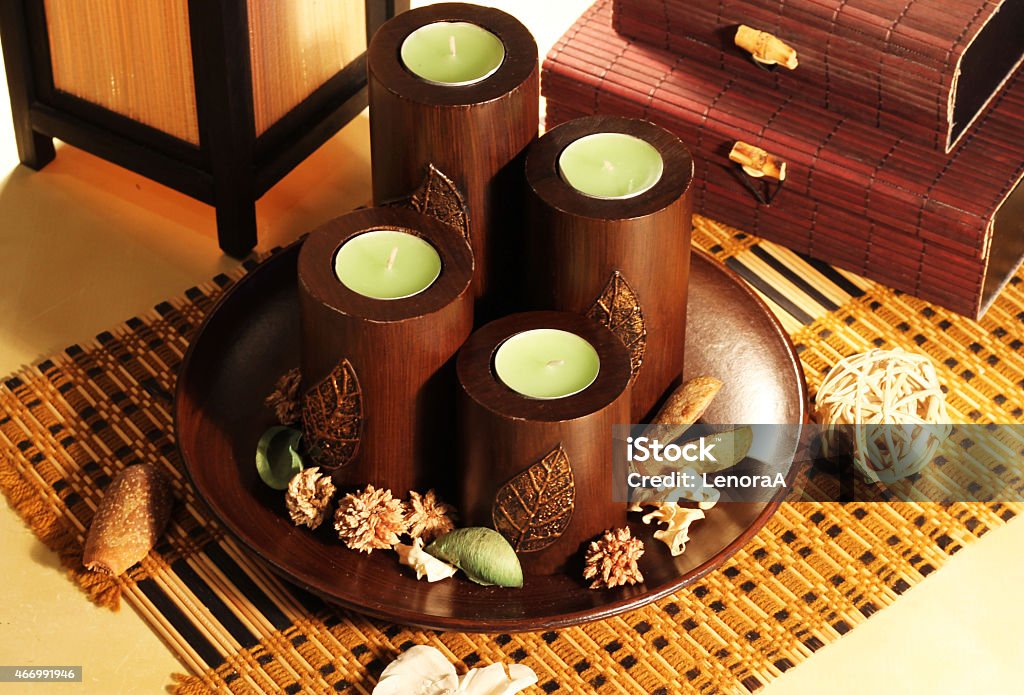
(35,150)
(219,31)
(236,222)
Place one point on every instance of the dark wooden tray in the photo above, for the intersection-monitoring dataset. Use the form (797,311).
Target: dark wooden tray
(252,336)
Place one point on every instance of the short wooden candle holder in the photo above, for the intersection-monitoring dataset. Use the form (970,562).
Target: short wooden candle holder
(540,471)
(377,375)
(624,262)
(473,136)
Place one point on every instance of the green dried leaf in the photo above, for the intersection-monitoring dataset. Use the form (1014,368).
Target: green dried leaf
(482,553)
(277,456)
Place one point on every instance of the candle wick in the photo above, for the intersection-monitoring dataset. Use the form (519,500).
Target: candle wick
(555,363)
(608,166)
(391,258)
(451,45)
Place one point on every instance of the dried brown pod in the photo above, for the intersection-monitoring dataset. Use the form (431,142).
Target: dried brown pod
(131,518)
(683,408)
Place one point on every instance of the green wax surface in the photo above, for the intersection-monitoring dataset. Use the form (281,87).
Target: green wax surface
(546,363)
(611,165)
(387,264)
(452,53)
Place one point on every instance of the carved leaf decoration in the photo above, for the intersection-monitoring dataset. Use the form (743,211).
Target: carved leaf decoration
(332,417)
(535,507)
(619,310)
(439,197)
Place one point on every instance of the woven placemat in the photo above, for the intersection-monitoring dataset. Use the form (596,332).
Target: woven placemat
(813,573)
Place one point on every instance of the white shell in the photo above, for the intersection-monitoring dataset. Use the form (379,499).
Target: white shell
(419,670)
(492,680)
(424,670)
(425,564)
(678,520)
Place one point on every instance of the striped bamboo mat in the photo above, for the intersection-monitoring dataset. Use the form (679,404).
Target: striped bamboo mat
(812,574)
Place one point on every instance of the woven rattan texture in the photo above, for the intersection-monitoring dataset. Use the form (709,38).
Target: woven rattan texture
(814,572)
(858,196)
(890,63)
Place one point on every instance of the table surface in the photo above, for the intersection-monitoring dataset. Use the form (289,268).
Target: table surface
(88,244)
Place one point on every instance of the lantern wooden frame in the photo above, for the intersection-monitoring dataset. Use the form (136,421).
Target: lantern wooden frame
(232,166)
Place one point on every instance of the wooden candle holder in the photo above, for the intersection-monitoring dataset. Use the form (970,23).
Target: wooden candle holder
(564,445)
(377,375)
(473,135)
(623,262)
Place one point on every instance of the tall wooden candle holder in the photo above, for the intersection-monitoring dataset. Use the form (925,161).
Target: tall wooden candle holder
(625,261)
(540,471)
(377,375)
(469,137)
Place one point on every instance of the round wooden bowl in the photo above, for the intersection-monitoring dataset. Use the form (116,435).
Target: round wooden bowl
(252,336)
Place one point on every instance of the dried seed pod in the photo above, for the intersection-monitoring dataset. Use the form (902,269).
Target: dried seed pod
(131,518)
(683,408)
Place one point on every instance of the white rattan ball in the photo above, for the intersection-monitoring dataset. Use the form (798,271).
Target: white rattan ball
(889,406)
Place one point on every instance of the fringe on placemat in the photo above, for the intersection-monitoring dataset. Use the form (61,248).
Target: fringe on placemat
(188,685)
(102,590)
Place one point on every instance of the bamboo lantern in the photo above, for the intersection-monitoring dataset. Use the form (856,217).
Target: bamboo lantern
(218,99)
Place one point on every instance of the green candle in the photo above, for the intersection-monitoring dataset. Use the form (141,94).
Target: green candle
(387,264)
(546,363)
(611,166)
(452,53)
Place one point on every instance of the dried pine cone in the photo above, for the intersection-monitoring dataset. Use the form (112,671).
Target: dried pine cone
(309,494)
(611,560)
(370,519)
(284,400)
(428,517)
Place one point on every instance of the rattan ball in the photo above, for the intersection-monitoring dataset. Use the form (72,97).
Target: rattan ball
(887,409)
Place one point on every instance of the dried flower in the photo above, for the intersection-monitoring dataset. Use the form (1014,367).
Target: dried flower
(611,560)
(370,519)
(428,517)
(309,494)
(284,400)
